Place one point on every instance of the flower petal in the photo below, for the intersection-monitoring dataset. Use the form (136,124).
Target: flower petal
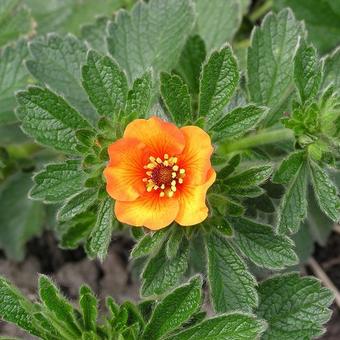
(149,210)
(192,206)
(160,136)
(195,158)
(124,173)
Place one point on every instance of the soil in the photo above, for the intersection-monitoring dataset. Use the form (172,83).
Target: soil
(114,277)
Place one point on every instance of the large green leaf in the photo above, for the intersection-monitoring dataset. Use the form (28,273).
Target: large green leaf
(151,35)
(232,287)
(20,218)
(294,307)
(270,61)
(56,61)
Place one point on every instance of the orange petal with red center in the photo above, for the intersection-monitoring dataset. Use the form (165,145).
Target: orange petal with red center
(149,210)
(195,158)
(124,173)
(192,202)
(160,136)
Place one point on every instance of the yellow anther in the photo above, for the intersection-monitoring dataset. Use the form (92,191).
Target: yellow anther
(182,171)
(155,187)
(175,168)
(174,159)
(161,194)
(145,179)
(162,186)
(166,156)
(152,159)
(173,183)
(180,180)
(149,173)
(151,166)
(173,189)
(173,175)
(159,161)
(149,189)
(166,163)
(170,194)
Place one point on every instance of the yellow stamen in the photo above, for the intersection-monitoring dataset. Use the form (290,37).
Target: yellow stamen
(174,175)
(173,183)
(161,194)
(173,188)
(162,186)
(159,161)
(175,168)
(182,171)
(170,194)
(166,156)
(152,159)
(180,180)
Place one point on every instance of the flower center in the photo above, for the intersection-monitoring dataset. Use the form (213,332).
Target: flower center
(163,175)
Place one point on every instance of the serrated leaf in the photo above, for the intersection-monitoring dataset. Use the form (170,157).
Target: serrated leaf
(140,97)
(174,241)
(56,62)
(307,71)
(293,206)
(100,237)
(89,308)
(238,122)
(219,79)
(270,61)
(231,285)
(294,307)
(49,119)
(331,69)
(57,182)
(235,326)
(260,244)
(251,177)
(77,204)
(289,167)
(105,84)
(14,77)
(20,218)
(218,21)
(149,243)
(174,309)
(160,273)
(15,308)
(190,61)
(151,35)
(175,94)
(326,192)
(57,305)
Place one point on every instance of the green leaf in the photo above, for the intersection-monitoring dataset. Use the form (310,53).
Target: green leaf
(149,243)
(174,241)
(57,182)
(94,34)
(77,204)
(89,308)
(174,309)
(20,218)
(232,287)
(239,121)
(219,79)
(15,308)
(251,177)
(235,326)
(175,94)
(140,97)
(262,246)
(57,305)
(294,307)
(331,69)
(270,61)
(105,84)
(151,35)
(326,192)
(49,119)
(190,61)
(100,237)
(160,273)
(14,77)
(307,71)
(15,21)
(293,206)
(218,21)
(289,167)
(56,62)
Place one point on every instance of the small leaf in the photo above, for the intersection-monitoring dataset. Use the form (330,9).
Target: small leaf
(105,84)
(260,244)
(160,273)
(307,71)
(174,309)
(89,308)
(332,65)
(219,79)
(326,192)
(231,285)
(175,94)
(49,119)
(101,234)
(238,122)
(57,182)
(235,326)
(174,241)
(294,307)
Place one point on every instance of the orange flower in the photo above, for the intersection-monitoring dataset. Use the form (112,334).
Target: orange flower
(159,173)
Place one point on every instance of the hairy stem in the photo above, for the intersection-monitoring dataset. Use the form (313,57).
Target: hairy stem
(261,10)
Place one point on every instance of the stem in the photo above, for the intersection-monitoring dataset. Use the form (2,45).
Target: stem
(262,138)
(261,10)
